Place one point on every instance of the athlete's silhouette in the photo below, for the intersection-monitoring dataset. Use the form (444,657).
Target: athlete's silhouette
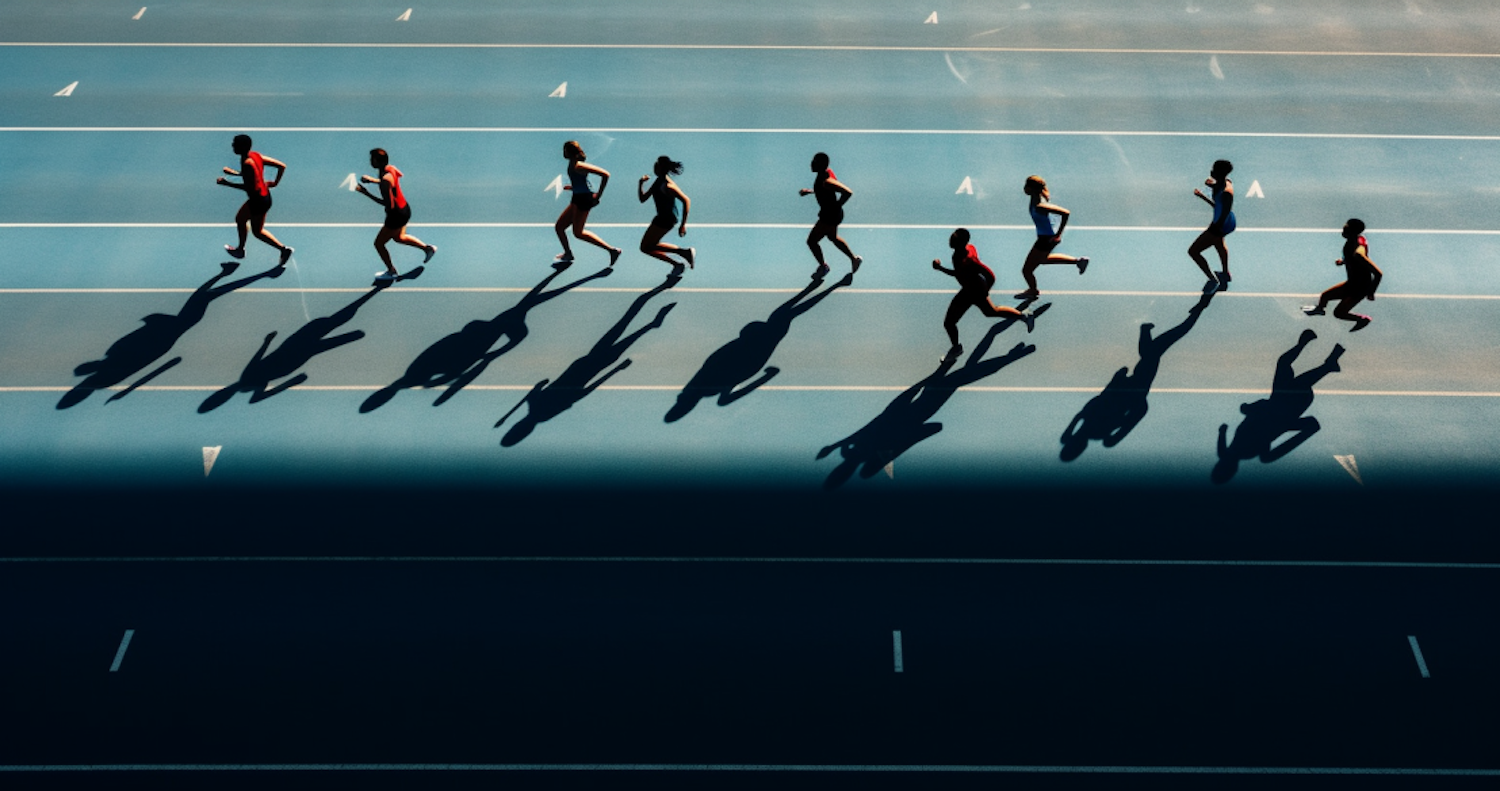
(1268,419)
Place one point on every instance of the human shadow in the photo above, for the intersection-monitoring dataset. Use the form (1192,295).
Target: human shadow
(737,363)
(903,423)
(1268,419)
(550,398)
(307,342)
(146,344)
(1117,409)
(459,358)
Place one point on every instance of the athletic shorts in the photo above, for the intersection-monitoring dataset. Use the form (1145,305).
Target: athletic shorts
(831,216)
(1045,244)
(1226,228)
(396,219)
(665,223)
(258,204)
(584,201)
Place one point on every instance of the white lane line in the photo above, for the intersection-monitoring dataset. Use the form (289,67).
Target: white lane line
(1417,652)
(1351,564)
(896,643)
(750,48)
(805,389)
(742,131)
(120,654)
(861,768)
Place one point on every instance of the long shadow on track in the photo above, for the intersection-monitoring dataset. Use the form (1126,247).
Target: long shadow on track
(1268,419)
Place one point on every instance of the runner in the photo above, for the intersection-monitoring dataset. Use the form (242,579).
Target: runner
(974,283)
(1047,239)
(1223,224)
(666,193)
(584,200)
(1364,278)
(397,212)
(831,195)
(252,175)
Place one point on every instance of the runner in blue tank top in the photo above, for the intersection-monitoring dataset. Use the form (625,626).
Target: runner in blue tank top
(584,199)
(665,193)
(1047,239)
(831,195)
(1223,224)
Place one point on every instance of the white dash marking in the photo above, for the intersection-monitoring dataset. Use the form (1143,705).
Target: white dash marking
(349,183)
(966,188)
(1416,651)
(890,470)
(140,13)
(1255,191)
(129,633)
(406,17)
(210,455)
(1347,462)
(1213,67)
(560,93)
(555,186)
(932,20)
(68,91)
(896,640)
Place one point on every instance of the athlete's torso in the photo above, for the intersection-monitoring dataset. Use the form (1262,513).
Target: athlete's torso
(394,197)
(254,171)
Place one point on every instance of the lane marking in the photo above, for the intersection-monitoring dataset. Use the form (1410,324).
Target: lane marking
(749,226)
(140,13)
(896,641)
(890,470)
(749,131)
(68,91)
(405,16)
(210,455)
(556,187)
(861,768)
(932,20)
(560,92)
(752,48)
(350,182)
(1365,564)
(1255,191)
(1417,652)
(1347,462)
(120,653)
(1011,389)
(1213,67)
(966,188)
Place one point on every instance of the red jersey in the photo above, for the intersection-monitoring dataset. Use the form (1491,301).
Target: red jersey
(396,199)
(255,176)
(971,273)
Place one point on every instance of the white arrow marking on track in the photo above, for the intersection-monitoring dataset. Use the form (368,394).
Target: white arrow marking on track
(210,455)
(932,20)
(1347,462)
(68,91)
(555,186)
(406,17)
(966,188)
(348,183)
(1255,191)
(561,92)
(140,13)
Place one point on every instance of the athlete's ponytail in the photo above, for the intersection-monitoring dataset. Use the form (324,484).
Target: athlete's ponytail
(665,165)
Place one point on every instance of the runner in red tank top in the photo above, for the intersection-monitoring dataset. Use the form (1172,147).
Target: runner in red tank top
(252,175)
(832,194)
(1364,278)
(397,212)
(974,283)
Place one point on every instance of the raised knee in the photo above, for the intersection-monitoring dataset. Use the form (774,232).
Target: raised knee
(577,233)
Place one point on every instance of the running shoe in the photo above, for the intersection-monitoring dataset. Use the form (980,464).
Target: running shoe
(854,265)
(564,257)
(1314,310)
(614,255)
(286,255)
(953,353)
(1083,263)
(1030,319)
(820,271)
(1028,294)
(431,251)
(234,252)
(385,276)
(1361,323)
(689,253)
(1224,277)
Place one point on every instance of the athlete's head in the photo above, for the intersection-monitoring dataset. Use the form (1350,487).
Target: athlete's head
(571,150)
(959,239)
(1035,185)
(820,161)
(665,165)
(378,158)
(242,144)
(1221,169)
(1353,228)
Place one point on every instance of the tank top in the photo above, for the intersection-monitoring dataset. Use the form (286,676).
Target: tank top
(1356,270)
(1043,220)
(256,177)
(827,197)
(397,198)
(579,179)
(971,273)
(1218,195)
(666,202)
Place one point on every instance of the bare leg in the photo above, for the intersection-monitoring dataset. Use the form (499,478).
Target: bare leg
(579,232)
(565,220)
(401,237)
(989,308)
(1204,241)
(258,227)
(385,235)
(1223,252)
(241,219)
(651,244)
(1341,310)
(956,310)
(813,238)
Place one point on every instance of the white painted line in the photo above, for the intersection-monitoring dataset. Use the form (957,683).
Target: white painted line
(556,188)
(931,20)
(896,641)
(1214,68)
(821,768)
(120,654)
(749,48)
(350,182)
(68,91)
(744,131)
(966,187)
(210,455)
(405,16)
(1361,564)
(1417,652)
(672,388)
(561,92)
(1255,190)
(1347,462)
(140,13)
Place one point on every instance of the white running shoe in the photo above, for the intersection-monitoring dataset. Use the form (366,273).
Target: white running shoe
(234,252)
(564,257)
(431,251)
(385,275)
